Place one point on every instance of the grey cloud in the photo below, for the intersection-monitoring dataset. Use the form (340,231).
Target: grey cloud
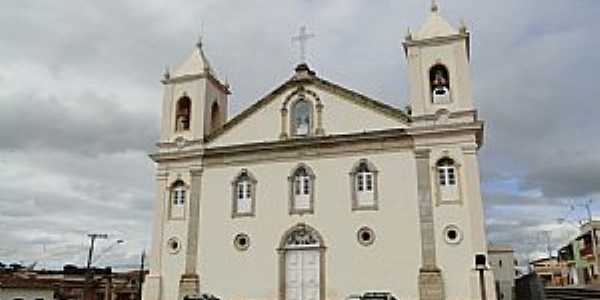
(90,125)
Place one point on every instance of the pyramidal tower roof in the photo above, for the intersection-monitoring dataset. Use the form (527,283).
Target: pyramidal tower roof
(435,25)
(196,63)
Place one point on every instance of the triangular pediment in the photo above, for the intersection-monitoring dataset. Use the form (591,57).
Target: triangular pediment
(337,110)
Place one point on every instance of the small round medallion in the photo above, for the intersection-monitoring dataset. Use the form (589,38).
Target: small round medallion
(452,234)
(174,245)
(365,236)
(241,242)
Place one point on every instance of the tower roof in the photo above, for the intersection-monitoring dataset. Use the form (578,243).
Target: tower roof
(435,26)
(196,63)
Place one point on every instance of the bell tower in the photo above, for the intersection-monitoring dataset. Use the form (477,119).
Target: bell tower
(195,102)
(438,67)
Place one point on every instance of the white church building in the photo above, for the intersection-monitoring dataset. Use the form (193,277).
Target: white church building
(316,191)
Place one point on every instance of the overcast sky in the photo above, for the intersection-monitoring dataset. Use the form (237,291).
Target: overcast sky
(80,98)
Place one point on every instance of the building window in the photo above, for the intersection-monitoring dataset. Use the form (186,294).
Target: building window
(178,193)
(215,116)
(447,180)
(301,120)
(439,80)
(244,194)
(183,113)
(363,182)
(446,172)
(177,198)
(301,182)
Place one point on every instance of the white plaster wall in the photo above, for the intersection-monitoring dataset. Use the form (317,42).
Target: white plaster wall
(26,294)
(390,264)
(339,116)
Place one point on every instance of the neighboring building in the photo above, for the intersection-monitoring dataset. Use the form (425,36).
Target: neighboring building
(549,270)
(503,265)
(318,192)
(573,266)
(71,283)
(587,263)
(25,288)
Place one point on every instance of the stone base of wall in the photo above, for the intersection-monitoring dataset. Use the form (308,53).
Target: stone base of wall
(431,284)
(189,285)
(151,289)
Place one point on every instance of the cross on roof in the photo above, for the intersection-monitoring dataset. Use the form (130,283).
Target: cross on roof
(302,38)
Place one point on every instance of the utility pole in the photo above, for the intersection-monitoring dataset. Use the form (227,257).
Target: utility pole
(93,237)
(141,279)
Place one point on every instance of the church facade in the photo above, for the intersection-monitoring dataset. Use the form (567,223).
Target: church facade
(318,192)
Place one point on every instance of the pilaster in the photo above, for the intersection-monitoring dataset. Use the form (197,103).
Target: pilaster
(431,285)
(189,285)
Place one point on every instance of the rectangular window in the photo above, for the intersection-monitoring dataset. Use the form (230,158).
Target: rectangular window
(181,196)
(442,176)
(360,185)
(240,190)
(451,176)
(306,186)
(369,182)
(248,187)
(297,186)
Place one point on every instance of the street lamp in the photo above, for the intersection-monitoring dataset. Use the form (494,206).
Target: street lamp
(481,266)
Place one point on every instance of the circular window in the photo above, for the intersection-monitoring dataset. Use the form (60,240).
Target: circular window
(174,245)
(452,234)
(366,236)
(241,242)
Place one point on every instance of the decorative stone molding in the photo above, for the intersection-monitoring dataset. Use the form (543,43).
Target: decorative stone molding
(234,194)
(365,236)
(353,184)
(452,234)
(287,126)
(312,179)
(301,236)
(241,242)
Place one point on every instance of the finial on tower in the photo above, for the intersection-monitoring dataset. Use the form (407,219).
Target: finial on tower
(199,42)
(434,6)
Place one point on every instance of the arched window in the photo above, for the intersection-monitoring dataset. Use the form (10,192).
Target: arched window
(244,194)
(446,172)
(301,120)
(215,116)
(177,198)
(447,180)
(439,81)
(363,179)
(178,193)
(301,190)
(182,114)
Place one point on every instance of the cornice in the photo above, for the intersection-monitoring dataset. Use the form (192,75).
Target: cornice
(191,77)
(383,140)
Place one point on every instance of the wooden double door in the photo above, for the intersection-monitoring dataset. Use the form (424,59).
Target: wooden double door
(302,268)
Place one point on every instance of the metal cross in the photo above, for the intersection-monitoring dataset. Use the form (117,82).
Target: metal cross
(302,38)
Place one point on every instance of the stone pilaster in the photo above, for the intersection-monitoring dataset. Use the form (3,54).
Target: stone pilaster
(189,285)
(431,285)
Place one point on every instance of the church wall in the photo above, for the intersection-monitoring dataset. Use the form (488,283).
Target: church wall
(340,116)
(389,264)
